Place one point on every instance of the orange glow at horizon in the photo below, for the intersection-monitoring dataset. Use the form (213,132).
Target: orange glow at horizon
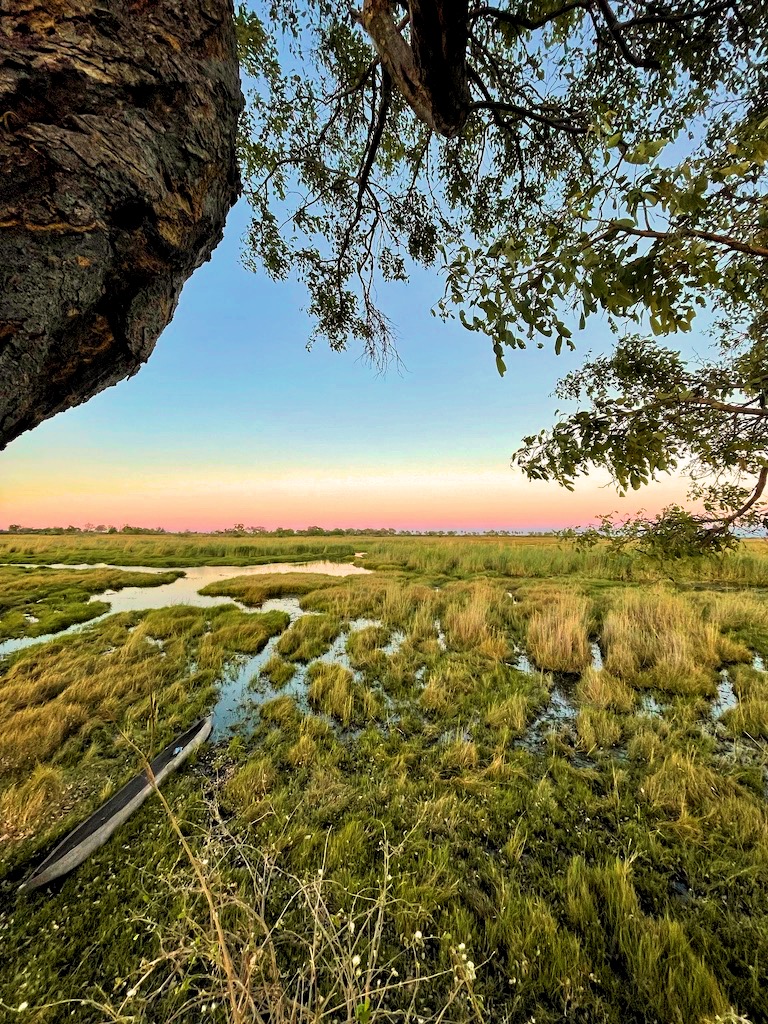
(455,498)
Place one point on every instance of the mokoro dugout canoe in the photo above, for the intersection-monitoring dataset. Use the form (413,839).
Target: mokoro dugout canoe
(96,830)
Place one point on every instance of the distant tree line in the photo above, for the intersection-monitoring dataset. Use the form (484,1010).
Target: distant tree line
(240,530)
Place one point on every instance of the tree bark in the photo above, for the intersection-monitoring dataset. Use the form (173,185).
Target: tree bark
(429,69)
(117,169)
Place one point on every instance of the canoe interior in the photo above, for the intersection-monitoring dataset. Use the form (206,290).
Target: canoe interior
(119,799)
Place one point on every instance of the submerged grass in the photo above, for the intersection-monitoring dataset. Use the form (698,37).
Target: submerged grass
(414,834)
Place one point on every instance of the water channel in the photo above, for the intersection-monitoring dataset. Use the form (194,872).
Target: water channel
(184,590)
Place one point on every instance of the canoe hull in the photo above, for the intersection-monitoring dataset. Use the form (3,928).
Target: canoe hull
(74,848)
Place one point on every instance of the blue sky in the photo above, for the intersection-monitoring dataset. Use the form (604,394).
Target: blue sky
(232,420)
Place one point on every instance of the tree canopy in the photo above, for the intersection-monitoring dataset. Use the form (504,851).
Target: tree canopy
(557,162)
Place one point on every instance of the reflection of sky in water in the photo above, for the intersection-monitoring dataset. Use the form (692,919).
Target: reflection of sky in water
(726,698)
(185,590)
(243,691)
(182,591)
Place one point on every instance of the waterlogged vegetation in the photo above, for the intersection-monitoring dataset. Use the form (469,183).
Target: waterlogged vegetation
(490,781)
(35,601)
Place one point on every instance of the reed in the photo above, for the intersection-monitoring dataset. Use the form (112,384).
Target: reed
(558,634)
(600,689)
(659,639)
(334,692)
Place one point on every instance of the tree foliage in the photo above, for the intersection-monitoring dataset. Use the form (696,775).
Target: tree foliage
(558,161)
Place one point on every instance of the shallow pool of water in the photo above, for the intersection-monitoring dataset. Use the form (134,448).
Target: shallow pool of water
(241,695)
(597,657)
(726,698)
(182,591)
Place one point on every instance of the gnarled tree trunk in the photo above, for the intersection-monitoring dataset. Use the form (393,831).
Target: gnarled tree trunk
(117,169)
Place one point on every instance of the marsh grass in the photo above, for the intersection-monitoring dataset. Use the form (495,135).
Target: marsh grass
(659,639)
(447,685)
(364,648)
(598,728)
(254,590)
(603,690)
(435,557)
(472,620)
(558,633)
(130,674)
(34,602)
(278,671)
(309,637)
(510,714)
(663,970)
(283,949)
(334,691)
(418,777)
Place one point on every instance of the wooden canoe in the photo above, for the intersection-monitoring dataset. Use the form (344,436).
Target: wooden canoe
(96,830)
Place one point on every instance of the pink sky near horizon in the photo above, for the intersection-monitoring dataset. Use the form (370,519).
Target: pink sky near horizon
(450,499)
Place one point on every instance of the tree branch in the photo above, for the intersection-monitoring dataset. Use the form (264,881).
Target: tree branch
(526,114)
(708,236)
(725,522)
(612,23)
(520,21)
(709,403)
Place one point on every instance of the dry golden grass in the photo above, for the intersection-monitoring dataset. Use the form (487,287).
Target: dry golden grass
(659,639)
(558,634)
(22,805)
(729,610)
(470,620)
(422,624)
(749,718)
(603,690)
(460,754)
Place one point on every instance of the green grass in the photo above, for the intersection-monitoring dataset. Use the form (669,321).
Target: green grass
(309,637)
(34,602)
(71,708)
(608,866)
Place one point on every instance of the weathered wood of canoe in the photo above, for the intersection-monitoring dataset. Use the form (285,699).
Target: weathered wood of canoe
(96,830)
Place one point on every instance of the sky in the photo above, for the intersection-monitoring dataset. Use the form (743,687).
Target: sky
(232,420)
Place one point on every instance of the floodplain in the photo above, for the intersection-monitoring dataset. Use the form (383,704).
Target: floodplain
(487,779)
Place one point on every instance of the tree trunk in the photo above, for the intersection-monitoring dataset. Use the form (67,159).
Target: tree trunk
(117,169)
(430,68)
